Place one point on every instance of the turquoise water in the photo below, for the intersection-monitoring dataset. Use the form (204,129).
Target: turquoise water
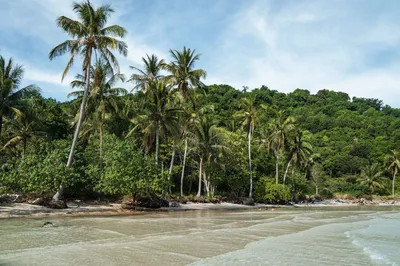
(380,239)
(369,239)
(353,236)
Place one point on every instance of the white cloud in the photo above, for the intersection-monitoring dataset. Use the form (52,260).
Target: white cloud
(310,47)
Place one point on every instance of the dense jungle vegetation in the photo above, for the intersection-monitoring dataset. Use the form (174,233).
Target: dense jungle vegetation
(160,129)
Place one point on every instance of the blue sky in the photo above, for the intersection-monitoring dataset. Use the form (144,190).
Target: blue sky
(347,45)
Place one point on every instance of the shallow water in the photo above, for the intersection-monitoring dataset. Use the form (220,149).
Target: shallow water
(354,236)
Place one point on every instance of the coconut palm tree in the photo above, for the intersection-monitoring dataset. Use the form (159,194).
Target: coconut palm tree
(182,72)
(394,160)
(207,145)
(21,130)
(150,73)
(89,35)
(371,176)
(248,115)
(191,113)
(10,78)
(299,150)
(278,131)
(157,117)
(103,97)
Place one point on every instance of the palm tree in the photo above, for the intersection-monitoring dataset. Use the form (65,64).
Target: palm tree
(247,115)
(150,73)
(21,130)
(89,35)
(279,129)
(371,176)
(299,150)
(394,160)
(103,96)
(191,114)
(10,79)
(207,147)
(157,115)
(182,73)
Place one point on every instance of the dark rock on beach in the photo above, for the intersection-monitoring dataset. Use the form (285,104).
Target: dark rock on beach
(152,202)
(57,204)
(247,201)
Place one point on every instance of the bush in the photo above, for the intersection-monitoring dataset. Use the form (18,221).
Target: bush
(277,193)
(299,187)
(43,171)
(127,171)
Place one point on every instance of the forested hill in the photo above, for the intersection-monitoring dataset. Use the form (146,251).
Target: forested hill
(346,133)
(344,136)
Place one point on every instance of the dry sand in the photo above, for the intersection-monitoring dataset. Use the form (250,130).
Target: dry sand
(89,209)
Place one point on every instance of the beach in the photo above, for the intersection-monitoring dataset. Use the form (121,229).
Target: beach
(251,235)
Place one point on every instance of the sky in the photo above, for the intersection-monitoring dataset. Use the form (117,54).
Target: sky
(343,45)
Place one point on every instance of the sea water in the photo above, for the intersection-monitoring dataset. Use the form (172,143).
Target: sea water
(335,236)
(369,239)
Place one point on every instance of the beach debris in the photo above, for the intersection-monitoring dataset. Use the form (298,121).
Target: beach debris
(38,201)
(174,204)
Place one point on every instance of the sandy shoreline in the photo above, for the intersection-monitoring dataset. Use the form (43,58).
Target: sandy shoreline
(15,210)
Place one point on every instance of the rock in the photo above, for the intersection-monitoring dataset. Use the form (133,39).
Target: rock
(11,198)
(247,201)
(5,199)
(57,204)
(174,204)
(48,224)
(153,202)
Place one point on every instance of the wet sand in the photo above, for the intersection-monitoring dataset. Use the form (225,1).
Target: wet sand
(170,238)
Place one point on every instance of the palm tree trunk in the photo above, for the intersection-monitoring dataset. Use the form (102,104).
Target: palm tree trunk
(171,166)
(200,173)
(206,184)
(101,141)
(184,164)
(251,174)
(60,191)
(277,169)
(287,170)
(393,181)
(157,145)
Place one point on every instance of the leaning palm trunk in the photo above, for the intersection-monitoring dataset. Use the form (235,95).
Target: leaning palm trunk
(171,166)
(277,169)
(184,164)
(251,174)
(287,170)
(200,174)
(60,191)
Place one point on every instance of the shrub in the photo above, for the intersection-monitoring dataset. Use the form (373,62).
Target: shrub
(127,171)
(277,193)
(43,171)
